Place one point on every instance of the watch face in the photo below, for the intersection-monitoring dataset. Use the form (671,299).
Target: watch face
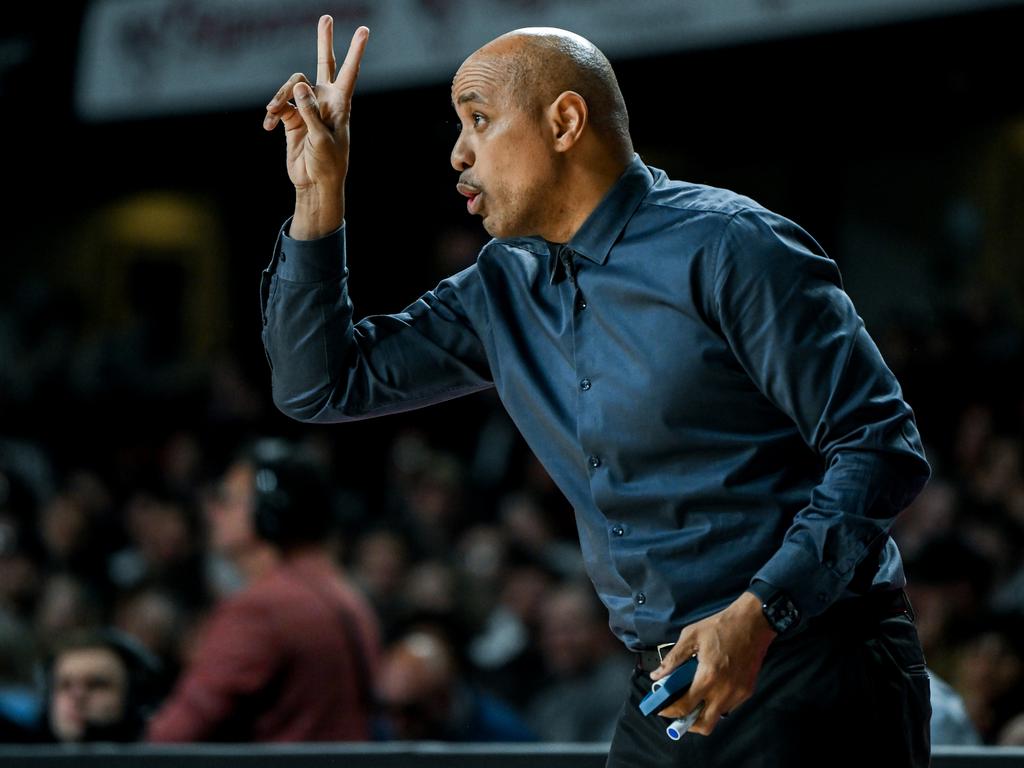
(781,613)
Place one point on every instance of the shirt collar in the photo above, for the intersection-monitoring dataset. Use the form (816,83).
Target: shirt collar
(602,228)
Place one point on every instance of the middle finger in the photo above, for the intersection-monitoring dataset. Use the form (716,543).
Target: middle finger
(325,61)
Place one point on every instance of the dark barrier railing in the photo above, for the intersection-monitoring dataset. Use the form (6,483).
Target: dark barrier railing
(391,755)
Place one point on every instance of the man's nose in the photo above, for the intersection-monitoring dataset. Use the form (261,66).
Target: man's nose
(462,155)
(77,692)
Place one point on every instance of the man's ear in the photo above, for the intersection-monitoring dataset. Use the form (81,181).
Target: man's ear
(567,117)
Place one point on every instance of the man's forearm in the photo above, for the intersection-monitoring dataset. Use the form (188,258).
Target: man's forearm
(329,369)
(850,511)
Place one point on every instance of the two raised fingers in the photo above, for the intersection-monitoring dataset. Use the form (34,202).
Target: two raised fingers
(326,63)
(279,107)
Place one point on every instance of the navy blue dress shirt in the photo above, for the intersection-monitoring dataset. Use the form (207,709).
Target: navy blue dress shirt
(688,369)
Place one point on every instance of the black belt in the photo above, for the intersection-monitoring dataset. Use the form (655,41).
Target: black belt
(650,660)
(849,613)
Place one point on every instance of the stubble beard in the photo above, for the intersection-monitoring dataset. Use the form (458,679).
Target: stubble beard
(516,215)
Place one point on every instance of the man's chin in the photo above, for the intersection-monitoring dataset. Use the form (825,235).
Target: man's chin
(502,229)
(492,227)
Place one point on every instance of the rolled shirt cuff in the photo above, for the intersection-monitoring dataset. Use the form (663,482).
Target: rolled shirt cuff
(811,585)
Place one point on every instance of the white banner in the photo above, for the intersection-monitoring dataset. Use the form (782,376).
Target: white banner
(151,57)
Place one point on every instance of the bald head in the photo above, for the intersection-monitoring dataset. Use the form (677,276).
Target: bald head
(543,133)
(539,63)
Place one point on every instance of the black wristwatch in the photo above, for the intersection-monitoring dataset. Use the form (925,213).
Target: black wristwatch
(782,615)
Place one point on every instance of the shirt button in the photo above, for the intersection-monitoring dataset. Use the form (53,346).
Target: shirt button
(594,461)
(581,304)
(585,384)
(283,257)
(641,599)
(618,530)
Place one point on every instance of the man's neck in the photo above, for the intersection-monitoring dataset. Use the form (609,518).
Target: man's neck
(256,561)
(585,186)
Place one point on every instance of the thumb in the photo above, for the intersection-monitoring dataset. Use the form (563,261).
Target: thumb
(309,110)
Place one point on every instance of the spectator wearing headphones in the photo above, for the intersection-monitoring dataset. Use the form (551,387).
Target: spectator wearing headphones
(101,685)
(291,656)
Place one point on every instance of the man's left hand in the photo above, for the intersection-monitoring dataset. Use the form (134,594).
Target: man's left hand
(730,647)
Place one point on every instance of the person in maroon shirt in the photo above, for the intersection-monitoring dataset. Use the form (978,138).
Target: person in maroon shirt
(291,657)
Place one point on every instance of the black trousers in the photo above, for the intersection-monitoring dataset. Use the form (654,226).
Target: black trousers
(846,691)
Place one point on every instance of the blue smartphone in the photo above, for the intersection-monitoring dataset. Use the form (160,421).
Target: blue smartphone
(670,688)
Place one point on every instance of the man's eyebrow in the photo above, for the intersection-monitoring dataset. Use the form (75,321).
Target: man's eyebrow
(470,96)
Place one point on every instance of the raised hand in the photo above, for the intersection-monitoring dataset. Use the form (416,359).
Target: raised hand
(316,133)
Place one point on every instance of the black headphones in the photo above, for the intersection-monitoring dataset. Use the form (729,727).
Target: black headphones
(292,497)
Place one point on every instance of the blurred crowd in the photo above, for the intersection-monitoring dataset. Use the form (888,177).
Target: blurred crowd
(119,550)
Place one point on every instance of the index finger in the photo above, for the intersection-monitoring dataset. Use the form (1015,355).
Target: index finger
(325,61)
(350,67)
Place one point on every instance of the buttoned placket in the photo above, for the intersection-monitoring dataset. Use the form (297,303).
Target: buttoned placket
(587,389)
(584,382)
(585,372)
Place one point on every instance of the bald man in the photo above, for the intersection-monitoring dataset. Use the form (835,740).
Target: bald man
(686,366)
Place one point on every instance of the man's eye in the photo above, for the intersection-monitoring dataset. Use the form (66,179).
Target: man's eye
(478,119)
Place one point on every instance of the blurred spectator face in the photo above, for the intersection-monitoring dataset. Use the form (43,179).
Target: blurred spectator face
(935,608)
(64,526)
(524,520)
(90,687)
(974,433)
(1000,470)
(414,686)
(989,667)
(154,619)
(64,605)
(482,553)
(160,530)
(229,513)
(430,587)
(570,632)
(435,498)
(525,589)
(68,522)
(380,563)
(1012,734)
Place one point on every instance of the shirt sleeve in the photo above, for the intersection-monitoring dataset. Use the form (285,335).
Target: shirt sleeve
(781,306)
(326,368)
(237,656)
